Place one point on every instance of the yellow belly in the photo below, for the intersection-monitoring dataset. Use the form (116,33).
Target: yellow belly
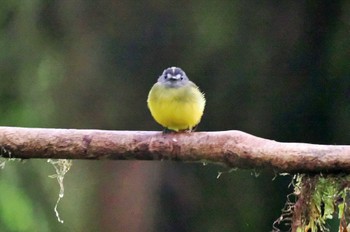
(176,108)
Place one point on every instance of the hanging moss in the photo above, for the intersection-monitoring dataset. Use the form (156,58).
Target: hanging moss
(318,198)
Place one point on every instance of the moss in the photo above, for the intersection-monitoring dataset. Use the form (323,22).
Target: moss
(318,198)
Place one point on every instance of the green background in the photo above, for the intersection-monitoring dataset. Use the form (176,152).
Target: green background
(275,69)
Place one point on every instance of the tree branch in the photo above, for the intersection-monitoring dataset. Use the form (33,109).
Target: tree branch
(230,148)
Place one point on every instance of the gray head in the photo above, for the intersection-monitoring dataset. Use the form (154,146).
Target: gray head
(173,77)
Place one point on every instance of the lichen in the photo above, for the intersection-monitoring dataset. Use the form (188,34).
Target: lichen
(5,156)
(61,166)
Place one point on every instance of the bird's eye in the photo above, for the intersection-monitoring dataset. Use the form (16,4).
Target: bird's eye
(167,76)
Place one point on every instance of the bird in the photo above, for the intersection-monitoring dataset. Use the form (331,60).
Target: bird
(175,102)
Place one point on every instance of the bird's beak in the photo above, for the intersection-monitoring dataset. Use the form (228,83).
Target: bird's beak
(174,78)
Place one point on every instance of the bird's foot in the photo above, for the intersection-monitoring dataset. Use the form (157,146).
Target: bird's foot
(168,131)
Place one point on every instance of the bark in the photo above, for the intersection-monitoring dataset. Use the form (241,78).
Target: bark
(233,148)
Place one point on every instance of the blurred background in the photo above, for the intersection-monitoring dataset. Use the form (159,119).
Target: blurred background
(275,69)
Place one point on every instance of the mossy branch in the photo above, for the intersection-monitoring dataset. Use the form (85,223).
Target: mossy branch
(230,148)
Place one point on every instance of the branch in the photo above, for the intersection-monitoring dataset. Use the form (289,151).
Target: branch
(230,148)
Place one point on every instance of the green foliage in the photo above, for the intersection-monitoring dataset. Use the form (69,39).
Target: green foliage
(18,215)
(18,212)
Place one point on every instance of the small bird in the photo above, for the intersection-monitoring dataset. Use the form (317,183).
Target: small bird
(175,102)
